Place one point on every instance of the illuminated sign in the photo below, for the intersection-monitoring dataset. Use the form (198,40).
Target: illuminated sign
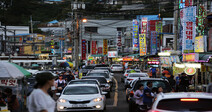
(105,48)
(83,55)
(135,35)
(191,57)
(199,44)
(142,44)
(190,71)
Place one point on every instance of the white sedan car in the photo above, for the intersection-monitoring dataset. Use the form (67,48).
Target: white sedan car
(183,102)
(82,97)
(133,76)
(116,68)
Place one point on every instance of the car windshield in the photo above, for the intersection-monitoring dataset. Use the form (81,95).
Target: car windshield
(155,84)
(178,105)
(98,74)
(101,80)
(83,82)
(116,65)
(89,67)
(137,75)
(79,90)
(98,68)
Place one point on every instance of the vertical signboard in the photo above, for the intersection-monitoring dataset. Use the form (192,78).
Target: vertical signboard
(199,44)
(142,44)
(99,50)
(105,48)
(153,42)
(210,40)
(144,26)
(83,55)
(93,47)
(189,30)
(135,34)
(118,42)
(159,29)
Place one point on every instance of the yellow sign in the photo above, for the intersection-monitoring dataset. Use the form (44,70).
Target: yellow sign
(189,57)
(142,44)
(199,44)
(105,48)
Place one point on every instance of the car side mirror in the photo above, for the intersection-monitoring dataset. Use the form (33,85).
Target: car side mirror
(58,94)
(104,93)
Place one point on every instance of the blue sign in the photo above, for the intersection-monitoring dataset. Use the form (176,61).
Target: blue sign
(149,17)
(135,35)
(153,43)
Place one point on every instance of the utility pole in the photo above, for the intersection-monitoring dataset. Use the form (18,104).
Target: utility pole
(76,40)
(31,24)
(176,8)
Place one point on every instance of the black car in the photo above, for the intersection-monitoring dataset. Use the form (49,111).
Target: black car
(103,83)
(102,65)
(156,82)
(87,68)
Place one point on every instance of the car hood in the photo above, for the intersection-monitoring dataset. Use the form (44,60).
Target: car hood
(80,97)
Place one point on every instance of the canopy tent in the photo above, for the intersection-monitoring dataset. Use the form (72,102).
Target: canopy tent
(11,70)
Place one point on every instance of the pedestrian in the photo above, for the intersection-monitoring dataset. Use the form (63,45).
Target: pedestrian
(126,65)
(2,100)
(163,76)
(172,81)
(147,95)
(184,83)
(139,97)
(177,80)
(160,90)
(154,71)
(39,100)
(12,100)
(60,84)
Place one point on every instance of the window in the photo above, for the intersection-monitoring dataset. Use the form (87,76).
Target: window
(91,30)
(79,90)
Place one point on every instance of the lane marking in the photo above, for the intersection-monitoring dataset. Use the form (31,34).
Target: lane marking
(116,93)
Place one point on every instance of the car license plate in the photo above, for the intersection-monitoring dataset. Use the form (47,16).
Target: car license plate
(79,105)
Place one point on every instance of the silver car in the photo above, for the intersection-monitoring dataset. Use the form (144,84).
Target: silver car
(116,68)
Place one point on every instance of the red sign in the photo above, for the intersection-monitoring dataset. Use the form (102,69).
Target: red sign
(83,49)
(119,44)
(144,26)
(99,50)
(8,82)
(152,24)
(93,47)
(210,40)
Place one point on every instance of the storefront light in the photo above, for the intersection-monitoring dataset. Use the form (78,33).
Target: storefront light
(194,65)
(180,65)
(164,54)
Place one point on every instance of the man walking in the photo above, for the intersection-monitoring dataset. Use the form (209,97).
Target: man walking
(184,83)
(147,97)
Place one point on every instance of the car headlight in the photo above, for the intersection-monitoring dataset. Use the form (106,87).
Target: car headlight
(108,81)
(62,100)
(97,99)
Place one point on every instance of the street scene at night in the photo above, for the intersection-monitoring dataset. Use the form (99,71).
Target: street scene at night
(105,55)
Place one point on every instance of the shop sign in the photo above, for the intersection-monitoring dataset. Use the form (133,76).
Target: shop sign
(119,44)
(153,42)
(210,40)
(191,57)
(144,26)
(69,50)
(135,35)
(127,59)
(83,55)
(8,82)
(112,54)
(165,62)
(93,47)
(190,71)
(105,47)
(90,58)
(99,50)
(189,31)
(175,59)
(199,44)
(142,42)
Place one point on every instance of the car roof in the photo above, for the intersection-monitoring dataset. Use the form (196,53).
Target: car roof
(116,64)
(82,85)
(147,78)
(83,80)
(93,76)
(137,73)
(98,71)
(184,95)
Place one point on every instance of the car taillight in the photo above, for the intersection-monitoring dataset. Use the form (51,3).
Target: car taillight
(126,75)
(189,99)
(153,111)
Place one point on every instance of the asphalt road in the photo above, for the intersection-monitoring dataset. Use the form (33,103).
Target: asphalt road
(117,102)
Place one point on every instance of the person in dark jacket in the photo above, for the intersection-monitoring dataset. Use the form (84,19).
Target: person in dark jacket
(184,83)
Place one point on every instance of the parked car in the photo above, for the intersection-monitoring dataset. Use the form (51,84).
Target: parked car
(105,73)
(86,69)
(132,76)
(84,81)
(183,102)
(103,83)
(157,82)
(127,72)
(81,97)
(116,68)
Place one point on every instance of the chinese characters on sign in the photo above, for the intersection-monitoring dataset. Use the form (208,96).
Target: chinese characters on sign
(119,44)
(144,26)
(83,49)
(105,47)
(199,44)
(189,30)
(153,42)
(93,47)
(142,42)
(135,35)
(8,82)
(99,50)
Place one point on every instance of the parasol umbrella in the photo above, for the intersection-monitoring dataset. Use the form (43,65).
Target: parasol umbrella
(11,70)
(66,64)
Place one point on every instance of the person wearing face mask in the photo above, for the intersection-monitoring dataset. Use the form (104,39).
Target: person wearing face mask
(39,100)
